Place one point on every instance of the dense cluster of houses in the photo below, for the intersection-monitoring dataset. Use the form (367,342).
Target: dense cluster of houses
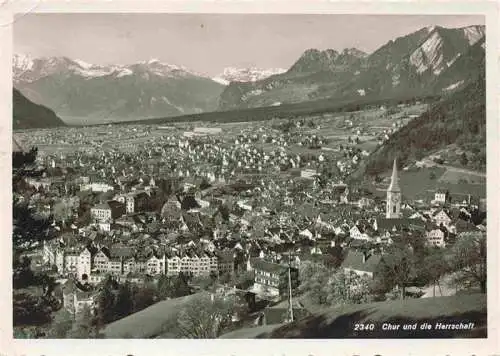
(202,205)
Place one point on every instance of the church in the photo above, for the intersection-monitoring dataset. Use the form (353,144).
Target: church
(393,206)
(393,220)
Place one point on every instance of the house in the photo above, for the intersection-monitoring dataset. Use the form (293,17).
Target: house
(155,265)
(442,218)
(340,193)
(361,263)
(271,279)
(278,313)
(436,237)
(308,173)
(364,203)
(397,224)
(95,278)
(360,232)
(76,297)
(84,263)
(101,212)
(225,261)
(441,196)
(173,265)
(129,265)
(71,257)
(101,260)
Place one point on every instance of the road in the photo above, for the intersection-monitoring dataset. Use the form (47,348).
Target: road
(443,290)
(453,169)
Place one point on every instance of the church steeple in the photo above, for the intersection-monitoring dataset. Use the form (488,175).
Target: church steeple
(394,186)
(393,209)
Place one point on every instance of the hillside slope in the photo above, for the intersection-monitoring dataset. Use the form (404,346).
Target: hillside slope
(460,118)
(340,322)
(28,115)
(421,63)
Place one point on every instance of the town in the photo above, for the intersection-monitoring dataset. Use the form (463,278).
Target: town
(262,213)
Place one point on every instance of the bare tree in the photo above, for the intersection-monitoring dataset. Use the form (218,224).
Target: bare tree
(469,260)
(203,317)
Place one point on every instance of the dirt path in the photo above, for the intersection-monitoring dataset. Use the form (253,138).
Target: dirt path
(441,290)
(455,169)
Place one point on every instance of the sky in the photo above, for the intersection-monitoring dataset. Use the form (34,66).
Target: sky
(208,43)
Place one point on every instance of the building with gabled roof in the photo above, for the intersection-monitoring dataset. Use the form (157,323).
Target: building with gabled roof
(361,263)
(77,296)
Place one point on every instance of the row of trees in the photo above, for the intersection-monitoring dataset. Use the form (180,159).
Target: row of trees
(330,287)
(407,262)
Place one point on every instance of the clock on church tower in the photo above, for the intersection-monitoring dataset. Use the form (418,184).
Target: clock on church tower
(393,209)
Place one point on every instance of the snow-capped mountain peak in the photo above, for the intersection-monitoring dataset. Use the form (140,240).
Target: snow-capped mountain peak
(153,60)
(27,69)
(83,64)
(251,74)
(22,62)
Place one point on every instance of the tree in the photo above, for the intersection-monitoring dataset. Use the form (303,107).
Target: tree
(463,159)
(347,288)
(204,317)
(165,286)
(63,210)
(143,298)
(468,259)
(434,266)
(30,310)
(85,326)
(396,268)
(313,279)
(106,303)
(124,301)
(181,286)
(61,325)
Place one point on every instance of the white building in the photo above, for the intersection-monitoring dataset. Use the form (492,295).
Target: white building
(101,213)
(84,263)
(97,187)
(435,237)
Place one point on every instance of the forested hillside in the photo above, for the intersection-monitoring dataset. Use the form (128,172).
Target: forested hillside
(458,119)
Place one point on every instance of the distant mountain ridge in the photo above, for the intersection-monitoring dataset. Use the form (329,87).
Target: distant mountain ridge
(411,64)
(73,88)
(431,61)
(28,115)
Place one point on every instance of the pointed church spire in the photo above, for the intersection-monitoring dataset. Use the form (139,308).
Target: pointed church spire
(394,186)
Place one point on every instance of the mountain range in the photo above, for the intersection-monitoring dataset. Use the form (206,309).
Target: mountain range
(433,60)
(75,89)
(427,61)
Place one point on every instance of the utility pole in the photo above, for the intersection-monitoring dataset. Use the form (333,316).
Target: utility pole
(290,300)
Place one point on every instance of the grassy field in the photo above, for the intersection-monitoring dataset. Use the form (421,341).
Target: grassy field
(422,183)
(455,177)
(147,323)
(341,322)
(415,184)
